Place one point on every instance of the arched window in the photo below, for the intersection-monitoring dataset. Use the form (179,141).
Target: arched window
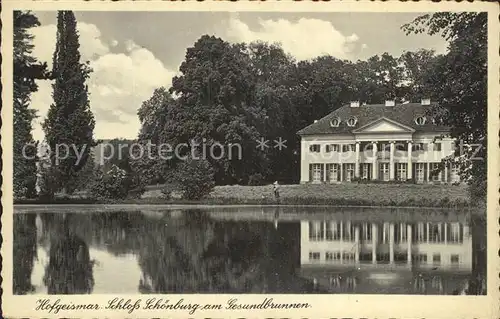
(335,122)
(352,121)
(420,120)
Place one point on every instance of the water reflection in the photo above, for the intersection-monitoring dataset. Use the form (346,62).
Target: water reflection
(197,251)
(69,269)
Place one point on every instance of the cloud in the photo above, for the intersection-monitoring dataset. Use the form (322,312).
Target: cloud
(91,44)
(304,39)
(118,85)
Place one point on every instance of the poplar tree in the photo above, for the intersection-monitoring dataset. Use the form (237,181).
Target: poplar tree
(26,70)
(70,121)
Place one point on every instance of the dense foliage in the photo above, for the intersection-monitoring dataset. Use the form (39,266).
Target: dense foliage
(239,93)
(460,85)
(27,69)
(193,178)
(114,183)
(70,121)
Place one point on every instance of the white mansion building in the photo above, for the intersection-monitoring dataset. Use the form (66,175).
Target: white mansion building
(377,142)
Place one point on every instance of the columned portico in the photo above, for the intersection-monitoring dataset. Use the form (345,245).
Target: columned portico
(410,168)
(356,165)
(391,161)
(409,239)
(356,244)
(375,168)
(391,243)
(374,243)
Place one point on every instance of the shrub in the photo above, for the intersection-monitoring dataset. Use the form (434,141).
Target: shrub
(47,183)
(116,183)
(195,178)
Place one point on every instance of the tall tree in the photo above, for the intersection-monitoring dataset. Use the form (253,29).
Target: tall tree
(70,121)
(26,70)
(417,74)
(215,107)
(461,82)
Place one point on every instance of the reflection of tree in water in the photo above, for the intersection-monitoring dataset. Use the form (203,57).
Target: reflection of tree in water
(196,254)
(24,252)
(69,270)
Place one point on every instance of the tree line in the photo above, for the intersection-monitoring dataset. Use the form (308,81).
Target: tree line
(230,93)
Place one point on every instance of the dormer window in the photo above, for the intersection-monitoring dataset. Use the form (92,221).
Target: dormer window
(420,120)
(352,121)
(335,122)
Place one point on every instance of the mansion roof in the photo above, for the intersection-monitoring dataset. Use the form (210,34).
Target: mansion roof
(364,115)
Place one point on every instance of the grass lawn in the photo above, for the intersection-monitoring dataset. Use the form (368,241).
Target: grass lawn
(349,194)
(337,194)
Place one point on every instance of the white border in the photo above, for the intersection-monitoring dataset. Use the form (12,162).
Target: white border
(368,306)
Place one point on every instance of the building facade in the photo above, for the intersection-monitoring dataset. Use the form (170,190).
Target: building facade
(340,256)
(388,245)
(377,142)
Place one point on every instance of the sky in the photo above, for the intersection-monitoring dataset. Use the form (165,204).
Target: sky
(133,53)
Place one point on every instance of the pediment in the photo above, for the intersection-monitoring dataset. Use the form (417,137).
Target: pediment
(384,125)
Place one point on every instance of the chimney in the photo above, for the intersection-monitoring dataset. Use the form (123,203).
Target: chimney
(426,102)
(354,103)
(390,103)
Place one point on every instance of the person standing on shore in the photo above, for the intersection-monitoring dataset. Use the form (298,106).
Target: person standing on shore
(276,191)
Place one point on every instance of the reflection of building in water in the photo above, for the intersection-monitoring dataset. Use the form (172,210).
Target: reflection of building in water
(380,252)
(422,245)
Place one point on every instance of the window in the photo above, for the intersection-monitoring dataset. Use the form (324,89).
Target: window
(314,148)
(417,147)
(316,232)
(454,232)
(401,147)
(384,171)
(437,147)
(454,173)
(332,148)
(401,171)
(435,172)
(332,172)
(316,172)
(332,256)
(421,233)
(385,147)
(352,121)
(420,120)
(349,172)
(436,234)
(421,258)
(454,259)
(385,233)
(436,259)
(366,171)
(348,148)
(367,232)
(332,231)
(348,256)
(400,233)
(348,231)
(420,172)
(335,122)
(314,256)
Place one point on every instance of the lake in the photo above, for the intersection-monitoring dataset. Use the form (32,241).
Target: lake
(113,249)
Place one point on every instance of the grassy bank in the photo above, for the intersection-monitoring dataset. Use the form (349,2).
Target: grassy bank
(401,195)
